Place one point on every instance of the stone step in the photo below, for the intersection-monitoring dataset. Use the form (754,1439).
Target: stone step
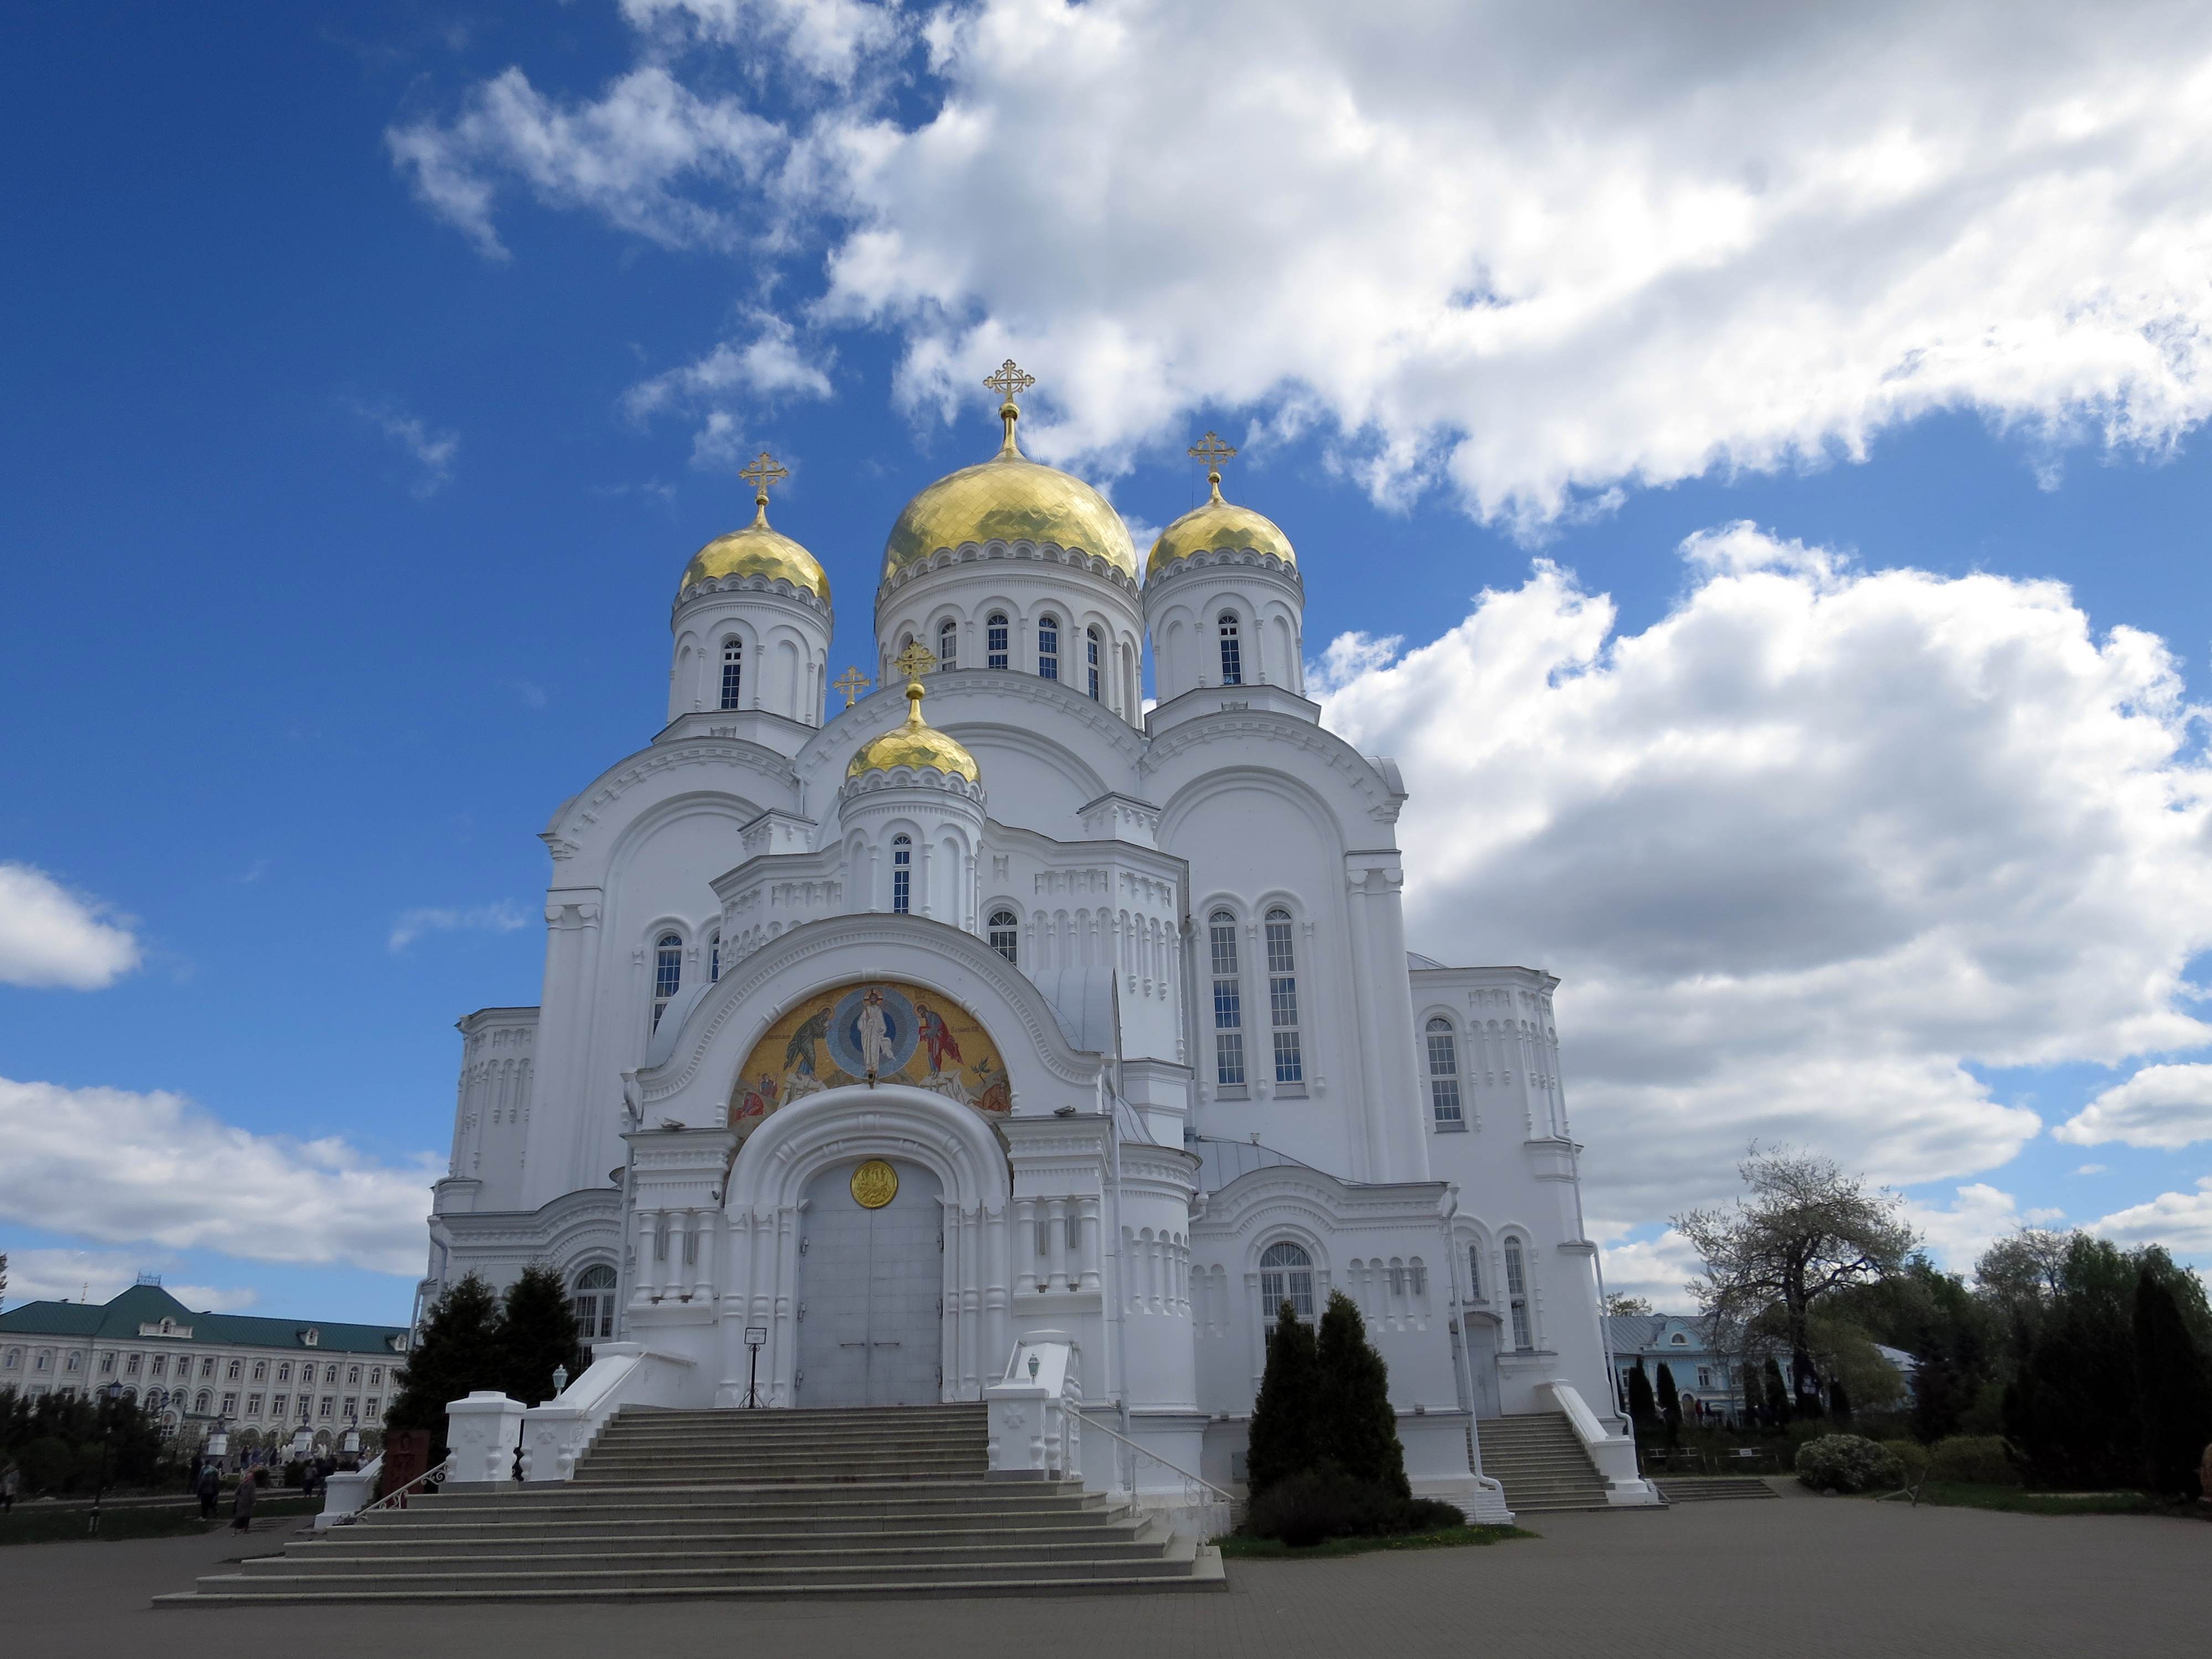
(349,1546)
(1129,1544)
(1698,1489)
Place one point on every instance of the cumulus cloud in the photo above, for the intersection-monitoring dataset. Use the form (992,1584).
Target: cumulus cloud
(768,366)
(432,451)
(1656,1269)
(503,917)
(1528,255)
(2180,1221)
(119,1167)
(2167,1106)
(59,1275)
(1805,851)
(50,936)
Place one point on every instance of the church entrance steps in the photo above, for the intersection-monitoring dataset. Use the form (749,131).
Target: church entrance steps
(671,1504)
(1539,1460)
(1699,1489)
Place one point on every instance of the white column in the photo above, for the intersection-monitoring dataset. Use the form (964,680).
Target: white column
(1023,1245)
(1056,1243)
(1087,1209)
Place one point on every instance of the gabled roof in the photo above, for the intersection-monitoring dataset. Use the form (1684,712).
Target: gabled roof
(121,1320)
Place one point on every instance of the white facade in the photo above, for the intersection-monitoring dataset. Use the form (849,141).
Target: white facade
(1225,1079)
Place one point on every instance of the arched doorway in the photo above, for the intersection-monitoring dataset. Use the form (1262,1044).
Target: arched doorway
(871,1286)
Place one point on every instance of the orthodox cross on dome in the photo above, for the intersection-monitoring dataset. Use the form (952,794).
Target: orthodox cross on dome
(1008,380)
(1212,451)
(760,475)
(916,661)
(852,683)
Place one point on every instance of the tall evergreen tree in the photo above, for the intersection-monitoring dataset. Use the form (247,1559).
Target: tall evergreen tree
(2175,1382)
(1670,1402)
(1642,1411)
(537,1333)
(1777,1394)
(1840,1403)
(1285,1437)
(457,1352)
(1357,1427)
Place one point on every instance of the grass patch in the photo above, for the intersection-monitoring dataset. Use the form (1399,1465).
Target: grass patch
(1236,1548)
(58,1525)
(1960,1494)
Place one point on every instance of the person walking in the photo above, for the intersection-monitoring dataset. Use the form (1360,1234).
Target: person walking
(241,1509)
(210,1487)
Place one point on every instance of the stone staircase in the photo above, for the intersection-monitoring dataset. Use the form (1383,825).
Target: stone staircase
(681,1504)
(1708,1488)
(1539,1460)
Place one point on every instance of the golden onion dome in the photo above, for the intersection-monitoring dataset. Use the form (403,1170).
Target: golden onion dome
(1218,523)
(757,550)
(916,744)
(1009,498)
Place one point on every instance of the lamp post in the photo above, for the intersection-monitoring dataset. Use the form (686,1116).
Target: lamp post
(350,1446)
(109,1395)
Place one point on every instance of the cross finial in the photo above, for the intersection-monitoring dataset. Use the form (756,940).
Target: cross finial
(760,475)
(1009,380)
(1212,451)
(852,683)
(916,661)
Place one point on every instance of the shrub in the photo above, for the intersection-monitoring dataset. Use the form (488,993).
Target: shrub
(1305,1509)
(1848,1462)
(1911,1454)
(1979,1459)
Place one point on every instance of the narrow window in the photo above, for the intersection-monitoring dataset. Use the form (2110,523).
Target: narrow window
(994,640)
(902,874)
(948,644)
(1232,651)
(1286,1275)
(1006,929)
(1049,647)
(1516,1292)
(1228,1002)
(1418,1271)
(1091,643)
(237,1369)
(595,1303)
(667,973)
(714,957)
(733,672)
(1283,999)
(1444,1075)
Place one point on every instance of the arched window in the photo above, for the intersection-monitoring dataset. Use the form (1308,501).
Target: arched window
(1286,1275)
(1232,651)
(948,644)
(902,874)
(1005,931)
(1474,1272)
(1228,1001)
(995,634)
(1516,1294)
(202,1401)
(1049,647)
(714,957)
(595,1303)
(1444,1075)
(1091,641)
(1283,999)
(667,973)
(733,672)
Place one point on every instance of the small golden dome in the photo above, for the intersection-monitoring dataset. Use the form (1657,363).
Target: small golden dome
(1218,523)
(756,551)
(916,744)
(1009,498)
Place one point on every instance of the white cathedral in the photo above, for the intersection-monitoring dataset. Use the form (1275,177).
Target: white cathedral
(872,1046)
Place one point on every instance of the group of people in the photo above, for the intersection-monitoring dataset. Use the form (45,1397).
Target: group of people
(209,1485)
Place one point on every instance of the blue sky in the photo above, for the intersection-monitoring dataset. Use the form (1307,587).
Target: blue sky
(375,370)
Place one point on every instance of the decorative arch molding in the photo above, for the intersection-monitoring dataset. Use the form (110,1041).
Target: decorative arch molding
(1119,747)
(722,1029)
(1364,778)
(1244,558)
(1299,793)
(798,1142)
(595,819)
(946,558)
(774,584)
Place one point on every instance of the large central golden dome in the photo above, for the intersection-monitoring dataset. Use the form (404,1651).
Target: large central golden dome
(1009,498)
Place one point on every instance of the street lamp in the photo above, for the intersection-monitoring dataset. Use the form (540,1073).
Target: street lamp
(350,1446)
(109,1395)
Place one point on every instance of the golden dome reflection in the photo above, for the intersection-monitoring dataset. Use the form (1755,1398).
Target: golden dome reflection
(757,550)
(1218,523)
(916,744)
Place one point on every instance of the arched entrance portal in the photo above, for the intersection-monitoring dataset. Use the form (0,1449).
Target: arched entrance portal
(871,1283)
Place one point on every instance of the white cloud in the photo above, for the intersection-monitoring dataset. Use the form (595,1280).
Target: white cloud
(1526,254)
(2180,1221)
(504,917)
(434,452)
(1803,851)
(1977,1217)
(2092,1170)
(768,366)
(50,936)
(58,1275)
(119,1168)
(2167,1106)
(1656,1269)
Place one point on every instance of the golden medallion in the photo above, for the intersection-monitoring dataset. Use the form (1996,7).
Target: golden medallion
(875,1184)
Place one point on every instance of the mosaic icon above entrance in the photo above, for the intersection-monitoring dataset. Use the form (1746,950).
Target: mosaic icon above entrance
(875,1184)
(877,1031)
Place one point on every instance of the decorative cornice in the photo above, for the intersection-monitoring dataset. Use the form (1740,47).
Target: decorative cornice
(1268,726)
(1214,558)
(586,808)
(947,558)
(776,586)
(911,777)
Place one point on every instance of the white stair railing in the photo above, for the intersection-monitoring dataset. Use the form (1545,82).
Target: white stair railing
(1211,1507)
(422,1486)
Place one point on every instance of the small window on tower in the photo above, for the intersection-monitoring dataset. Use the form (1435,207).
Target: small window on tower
(948,645)
(667,973)
(733,673)
(1049,647)
(1232,651)
(1006,930)
(1091,642)
(902,874)
(1228,1001)
(995,636)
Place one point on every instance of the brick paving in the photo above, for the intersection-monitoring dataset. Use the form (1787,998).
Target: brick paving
(1807,1577)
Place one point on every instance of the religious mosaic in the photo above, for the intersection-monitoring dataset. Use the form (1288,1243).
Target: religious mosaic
(880,1031)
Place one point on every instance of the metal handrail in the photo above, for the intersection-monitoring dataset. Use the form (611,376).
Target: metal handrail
(1146,1451)
(396,1498)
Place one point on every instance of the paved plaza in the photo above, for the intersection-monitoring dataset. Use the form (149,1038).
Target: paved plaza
(1804,1577)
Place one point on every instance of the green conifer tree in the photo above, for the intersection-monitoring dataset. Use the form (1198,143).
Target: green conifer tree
(1642,1411)
(537,1333)
(1670,1402)
(457,1352)
(1778,1395)
(1358,1428)
(2176,1384)
(1284,1439)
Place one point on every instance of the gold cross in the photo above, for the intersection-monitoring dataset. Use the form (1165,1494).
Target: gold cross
(916,661)
(1009,380)
(852,683)
(763,473)
(1211,450)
